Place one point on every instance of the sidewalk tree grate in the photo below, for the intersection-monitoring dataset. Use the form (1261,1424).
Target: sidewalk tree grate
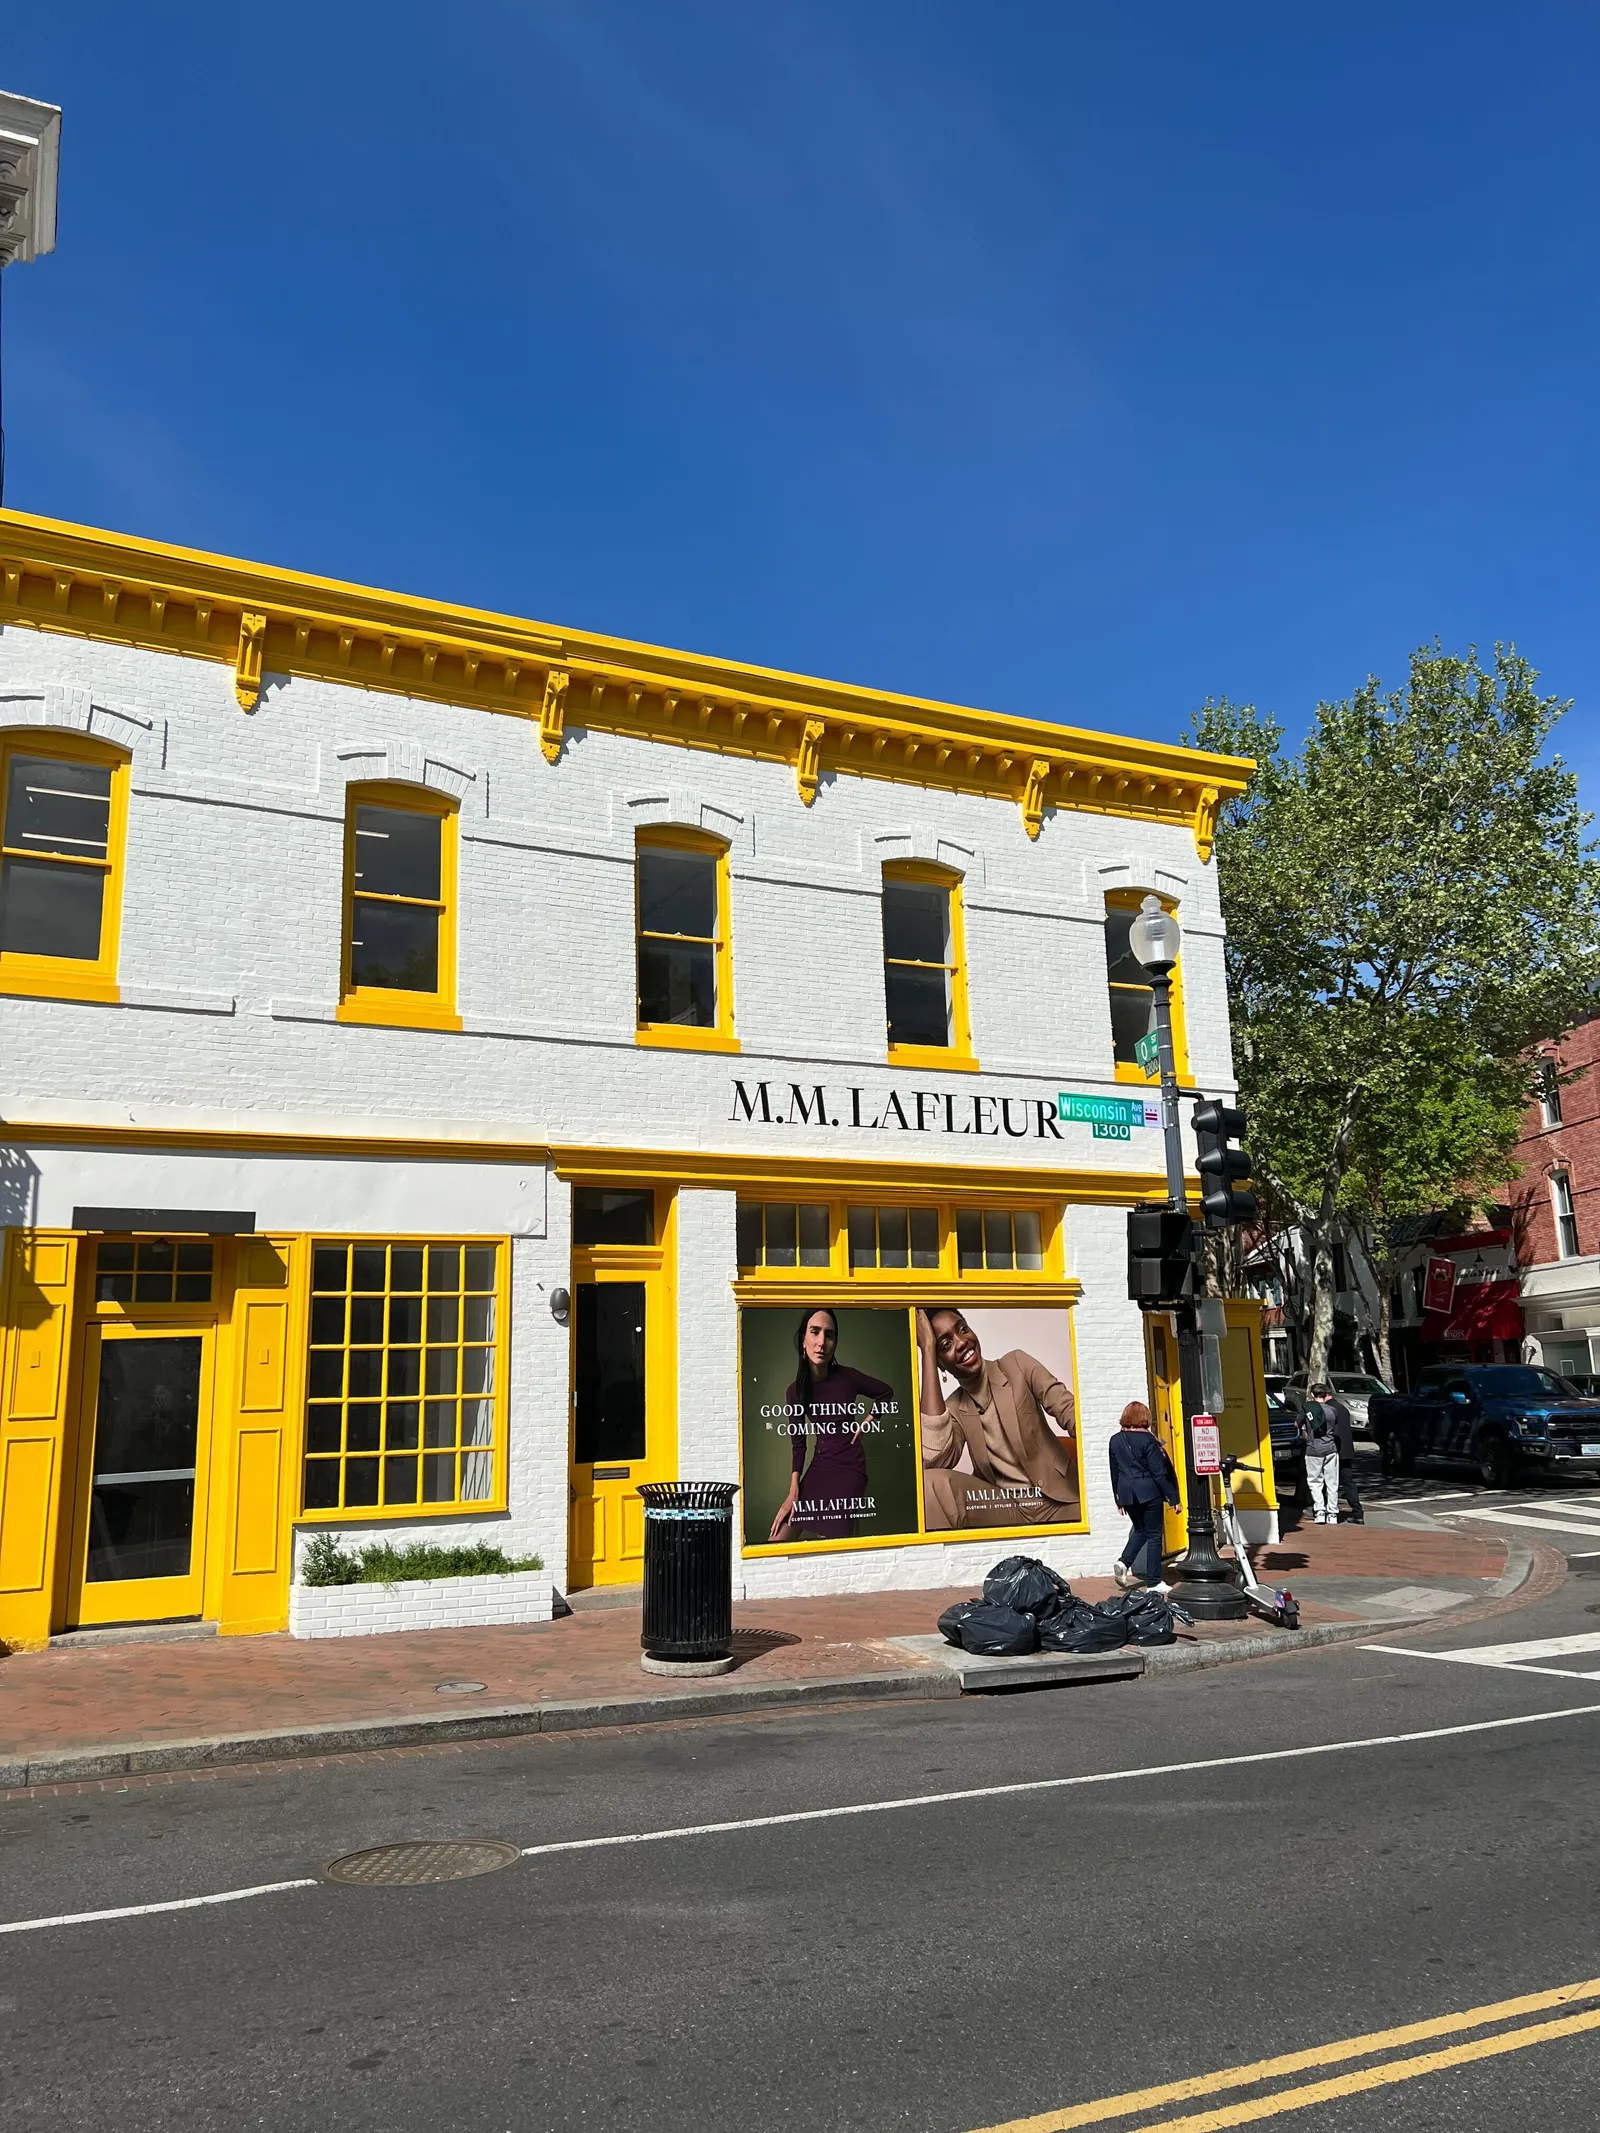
(410,1865)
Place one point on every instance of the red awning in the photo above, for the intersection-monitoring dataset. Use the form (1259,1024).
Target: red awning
(1484,1311)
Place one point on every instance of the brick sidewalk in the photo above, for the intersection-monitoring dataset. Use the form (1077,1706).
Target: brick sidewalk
(67,1700)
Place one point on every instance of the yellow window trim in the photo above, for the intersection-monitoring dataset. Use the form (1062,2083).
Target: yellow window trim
(717,1036)
(383,1005)
(394,1513)
(957,1056)
(1032,1285)
(1128,1070)
(60,977)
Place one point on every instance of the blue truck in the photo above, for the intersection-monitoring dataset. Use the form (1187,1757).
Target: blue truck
(1509,1420)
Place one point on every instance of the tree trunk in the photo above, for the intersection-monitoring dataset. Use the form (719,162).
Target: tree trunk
(1381,1344)
(1321,1306)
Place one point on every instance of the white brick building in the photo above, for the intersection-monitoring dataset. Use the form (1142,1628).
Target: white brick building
(419,1194)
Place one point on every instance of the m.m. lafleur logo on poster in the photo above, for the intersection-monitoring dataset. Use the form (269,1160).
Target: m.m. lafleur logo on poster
(768,1103)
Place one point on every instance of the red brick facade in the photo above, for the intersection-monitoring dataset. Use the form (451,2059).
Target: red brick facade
(1571,1147)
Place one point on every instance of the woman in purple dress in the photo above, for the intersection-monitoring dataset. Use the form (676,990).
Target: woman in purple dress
(829,1407)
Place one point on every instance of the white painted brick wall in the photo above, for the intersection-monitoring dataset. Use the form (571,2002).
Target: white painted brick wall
(420,1603)
(230,965)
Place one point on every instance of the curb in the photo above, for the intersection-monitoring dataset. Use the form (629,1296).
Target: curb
(1536,1565)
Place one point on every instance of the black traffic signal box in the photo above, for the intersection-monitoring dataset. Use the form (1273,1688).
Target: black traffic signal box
(1226,1203)
(1160,1257)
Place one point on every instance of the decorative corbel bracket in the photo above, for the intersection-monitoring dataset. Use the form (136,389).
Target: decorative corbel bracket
(808,763)
(553,713)
(1033,796)
(1205,821)
(247,661)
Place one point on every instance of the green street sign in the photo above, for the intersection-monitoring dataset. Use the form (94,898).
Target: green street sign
(1148,1053)
(1098,1111)
(1109,1130)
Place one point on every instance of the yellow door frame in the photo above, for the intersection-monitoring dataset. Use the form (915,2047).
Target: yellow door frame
(142,1599)
(621,1558)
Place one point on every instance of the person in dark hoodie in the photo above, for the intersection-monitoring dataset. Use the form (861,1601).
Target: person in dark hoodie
(1143,1483)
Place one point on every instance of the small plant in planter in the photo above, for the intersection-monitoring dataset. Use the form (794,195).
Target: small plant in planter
(382,1563)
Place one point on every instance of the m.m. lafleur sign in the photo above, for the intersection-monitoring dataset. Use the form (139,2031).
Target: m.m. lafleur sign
(794,1103)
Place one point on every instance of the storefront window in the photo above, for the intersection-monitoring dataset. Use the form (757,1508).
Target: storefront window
(152,1270)
(784,1233)
(403,1376)
(992,1240)
(601,1217)
(893,1236)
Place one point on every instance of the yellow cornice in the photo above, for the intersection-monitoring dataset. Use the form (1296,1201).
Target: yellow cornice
(258,620)
(764,1171)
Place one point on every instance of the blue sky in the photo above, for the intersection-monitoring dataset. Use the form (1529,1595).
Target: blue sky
(1076,361)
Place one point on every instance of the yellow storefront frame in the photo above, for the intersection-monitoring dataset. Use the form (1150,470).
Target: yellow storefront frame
(1242,1425)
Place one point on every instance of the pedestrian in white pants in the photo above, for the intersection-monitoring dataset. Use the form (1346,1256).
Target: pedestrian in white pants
(1322,1459)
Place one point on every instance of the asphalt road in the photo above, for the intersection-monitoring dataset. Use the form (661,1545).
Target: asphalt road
(953,1965)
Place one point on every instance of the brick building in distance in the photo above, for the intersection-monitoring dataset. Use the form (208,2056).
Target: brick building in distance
(1557,1205)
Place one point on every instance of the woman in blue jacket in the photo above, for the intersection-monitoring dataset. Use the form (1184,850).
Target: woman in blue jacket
(1142,1481)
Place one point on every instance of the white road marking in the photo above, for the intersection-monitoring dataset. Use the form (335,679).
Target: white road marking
(1098,1777)
(1582,1555)
(1518,1658)
(1452,1496)
(1539,1523)
(148,1910)
(875,1807)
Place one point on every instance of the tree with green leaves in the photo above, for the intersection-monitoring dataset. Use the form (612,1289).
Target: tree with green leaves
(1411,906)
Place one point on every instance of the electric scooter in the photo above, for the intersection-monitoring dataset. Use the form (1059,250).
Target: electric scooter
(1264,1600)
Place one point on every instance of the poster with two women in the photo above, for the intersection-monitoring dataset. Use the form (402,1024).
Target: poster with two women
(880,1422)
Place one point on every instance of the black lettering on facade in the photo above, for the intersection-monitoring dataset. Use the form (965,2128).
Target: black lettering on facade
(950,1125)
(980,1104)
(1016,1133)
(924,1103)
(855,1111)
(800,1109)
(1048,1129)
(894,1105)
(742,1103)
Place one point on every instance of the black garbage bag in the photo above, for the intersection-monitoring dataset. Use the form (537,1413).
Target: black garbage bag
(1151,1616)
(990,1632)
(1082,1628)
(1023,1582)
(950,1620)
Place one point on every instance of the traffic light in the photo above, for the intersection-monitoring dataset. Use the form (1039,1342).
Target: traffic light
(1160,1257)
(1225,1203)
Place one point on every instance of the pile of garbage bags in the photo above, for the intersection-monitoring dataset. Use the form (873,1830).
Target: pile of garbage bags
(1028,1607)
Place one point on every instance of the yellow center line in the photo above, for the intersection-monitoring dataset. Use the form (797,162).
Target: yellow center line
(1379,2077)
(1233,2077)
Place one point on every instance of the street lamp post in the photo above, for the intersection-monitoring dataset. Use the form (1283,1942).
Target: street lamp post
(1207,1590)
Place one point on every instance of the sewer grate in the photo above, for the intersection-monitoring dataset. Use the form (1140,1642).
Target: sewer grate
(409,1865)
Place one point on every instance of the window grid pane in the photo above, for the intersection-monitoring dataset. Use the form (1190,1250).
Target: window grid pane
(401,1382)
(152,1270)
(397,905)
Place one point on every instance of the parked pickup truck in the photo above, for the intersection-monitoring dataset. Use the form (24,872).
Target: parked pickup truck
(1507,1419)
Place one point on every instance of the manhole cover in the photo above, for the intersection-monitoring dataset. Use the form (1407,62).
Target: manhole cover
(458,1688)
(408,1865)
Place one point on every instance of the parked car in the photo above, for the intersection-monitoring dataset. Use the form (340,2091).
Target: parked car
(1354,1387)
(1288,1454)
(1508,1419)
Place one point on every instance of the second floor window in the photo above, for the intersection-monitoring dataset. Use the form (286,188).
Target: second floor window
(1566,1215)
(400,918)
(684,985)
(1133,1000)
(924,979)
(58,874)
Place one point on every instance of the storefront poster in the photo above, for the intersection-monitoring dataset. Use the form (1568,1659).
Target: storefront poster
(1006,1453)
(856,1448)
(830,1450)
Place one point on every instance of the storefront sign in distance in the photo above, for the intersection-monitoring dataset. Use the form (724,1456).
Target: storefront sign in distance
(1109,1118)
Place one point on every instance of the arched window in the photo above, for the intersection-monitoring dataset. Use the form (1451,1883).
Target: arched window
(683,937)
(924,966)
(400,907)
(1133,1000)
(65,817)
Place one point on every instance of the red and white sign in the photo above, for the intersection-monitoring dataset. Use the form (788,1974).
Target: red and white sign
(1439,1285)
(1206,1438)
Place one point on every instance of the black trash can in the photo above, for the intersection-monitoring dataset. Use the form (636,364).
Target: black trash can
(688,1571)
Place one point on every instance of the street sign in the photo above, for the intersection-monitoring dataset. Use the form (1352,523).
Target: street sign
(1106,1129)
(1105,1111)
(1148,1053)
(1207,1441)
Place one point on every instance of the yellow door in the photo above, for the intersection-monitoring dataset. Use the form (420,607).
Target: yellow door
(144,1451)
(623,1411)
